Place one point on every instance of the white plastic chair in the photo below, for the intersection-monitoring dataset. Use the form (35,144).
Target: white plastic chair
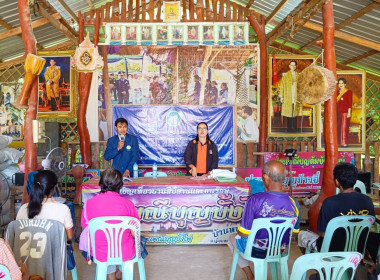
(360,185)
(276,228)
(329,266)
(4,273)
(114,233)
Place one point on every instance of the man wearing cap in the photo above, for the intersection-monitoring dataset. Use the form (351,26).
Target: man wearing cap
(197,90)
(122,87)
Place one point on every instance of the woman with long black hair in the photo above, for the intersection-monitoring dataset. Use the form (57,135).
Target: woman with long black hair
(201,154)
(42,204)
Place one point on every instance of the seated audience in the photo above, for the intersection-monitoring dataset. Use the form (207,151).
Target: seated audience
(111,182)
(42,204)
(271,203)
(8,260)
(347,202)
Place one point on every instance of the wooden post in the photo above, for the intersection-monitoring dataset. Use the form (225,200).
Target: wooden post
(31,113)
(107,92)
(260,31)
(330,121)
(84,86)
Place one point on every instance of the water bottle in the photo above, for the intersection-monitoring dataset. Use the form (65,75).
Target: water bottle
(154,170)
(79,158)
(135,171)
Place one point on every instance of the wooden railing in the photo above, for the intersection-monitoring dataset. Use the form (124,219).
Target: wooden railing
(140,11)
(247,154)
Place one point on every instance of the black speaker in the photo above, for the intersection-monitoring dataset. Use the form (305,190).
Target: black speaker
(365,177)
(18,179)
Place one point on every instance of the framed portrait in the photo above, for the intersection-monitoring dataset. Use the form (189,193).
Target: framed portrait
(288,116)
(238,34)
(146,33)
(115,33)
(351,113)
(172,11)
(208,33)
(130,33)
(177,33)
(162,33)
(193,33)
(11,119)
(56,85)
(224,34)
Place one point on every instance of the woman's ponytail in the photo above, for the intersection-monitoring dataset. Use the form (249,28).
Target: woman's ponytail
(44,183)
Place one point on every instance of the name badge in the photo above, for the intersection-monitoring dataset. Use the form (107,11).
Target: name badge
(210,152)
(128,147)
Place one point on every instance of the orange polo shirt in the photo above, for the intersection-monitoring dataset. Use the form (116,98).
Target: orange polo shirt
(201,157)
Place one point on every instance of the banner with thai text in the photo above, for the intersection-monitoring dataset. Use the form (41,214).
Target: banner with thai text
(304,180)
(184,215)
(163,132)
(308,159)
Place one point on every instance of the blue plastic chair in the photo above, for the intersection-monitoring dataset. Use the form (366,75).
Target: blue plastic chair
(329,266)
(4,273)
(114,232)
(353,225)
(360,185)
(159,174)
(276,227)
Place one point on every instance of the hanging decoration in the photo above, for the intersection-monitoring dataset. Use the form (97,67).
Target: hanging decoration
(87,57)
(316,84)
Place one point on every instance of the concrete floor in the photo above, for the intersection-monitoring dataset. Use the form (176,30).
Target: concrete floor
(197,262)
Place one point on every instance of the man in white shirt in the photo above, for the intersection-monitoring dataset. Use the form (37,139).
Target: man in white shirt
(249,131)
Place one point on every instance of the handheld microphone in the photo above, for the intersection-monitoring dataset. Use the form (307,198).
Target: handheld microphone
(122,137)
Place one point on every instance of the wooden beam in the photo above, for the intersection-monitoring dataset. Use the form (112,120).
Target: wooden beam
(304,19)
(359,14)
(51,10)
(347,37)
(68,9)
(367,54)
(297,14)
(250,3)
(61,46)
(338,65)
(9,27)
(57,24)
(17,31)
(89,2)
(275,11)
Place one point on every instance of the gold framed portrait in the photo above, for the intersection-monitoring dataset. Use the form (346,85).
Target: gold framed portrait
(351,112)
(172,11)
(288,116)
(57,85)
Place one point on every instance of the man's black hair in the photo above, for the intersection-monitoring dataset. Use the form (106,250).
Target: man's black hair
(346,174)
(121,120)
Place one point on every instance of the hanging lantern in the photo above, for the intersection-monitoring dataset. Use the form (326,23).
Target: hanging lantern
(86,57)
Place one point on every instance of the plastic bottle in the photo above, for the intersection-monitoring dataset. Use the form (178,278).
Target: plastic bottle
(79,158)
(135,171)
(154,171)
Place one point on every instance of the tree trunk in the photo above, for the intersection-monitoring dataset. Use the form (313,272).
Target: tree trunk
(260,32)
(84,86)
(330,121)
(31,113)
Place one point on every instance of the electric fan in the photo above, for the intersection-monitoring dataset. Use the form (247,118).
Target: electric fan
(5,202)
(57,161)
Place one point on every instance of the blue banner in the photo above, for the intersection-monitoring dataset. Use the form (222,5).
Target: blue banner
(163,132)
